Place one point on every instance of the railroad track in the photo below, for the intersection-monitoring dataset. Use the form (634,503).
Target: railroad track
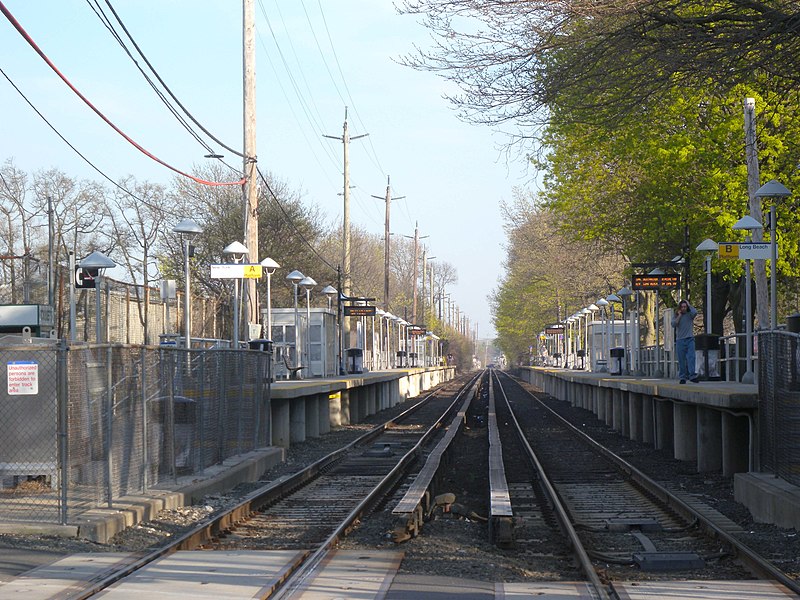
(632,528)
(302,516)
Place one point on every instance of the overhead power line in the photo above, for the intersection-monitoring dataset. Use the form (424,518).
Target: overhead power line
(97,111)
(160,80)
(75,150)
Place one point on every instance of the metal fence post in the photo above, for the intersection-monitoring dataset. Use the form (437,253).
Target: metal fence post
(145,437)
(62,395)
(109,428)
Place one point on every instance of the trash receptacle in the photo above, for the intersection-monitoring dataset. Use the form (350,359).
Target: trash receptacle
(355,361)
(263,345)
(413,358)
(617,359)
(582,355)
(401,359)
(707,356)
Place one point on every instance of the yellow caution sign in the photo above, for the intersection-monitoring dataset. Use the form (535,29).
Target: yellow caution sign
(252,271)
(729,250)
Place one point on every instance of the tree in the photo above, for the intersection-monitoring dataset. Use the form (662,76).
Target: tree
(290,233)
(548,276)
(137,221)
(515,61)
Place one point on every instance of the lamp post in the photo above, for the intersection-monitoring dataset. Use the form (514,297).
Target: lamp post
(269,266)
(308,284)
(657,372)
(625,293)
(390,356)
(611,299)
(708,247)
(773,189)
(381,355)
(331,293)
(187,229)
(294,278)
(748,224)
(612,334)
(236,251)
(98,260)
(590,340)
(602,303)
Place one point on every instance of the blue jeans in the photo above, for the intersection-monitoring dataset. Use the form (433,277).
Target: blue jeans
(685,349)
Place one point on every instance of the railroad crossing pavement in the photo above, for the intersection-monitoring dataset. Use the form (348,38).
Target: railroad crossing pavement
(351,574)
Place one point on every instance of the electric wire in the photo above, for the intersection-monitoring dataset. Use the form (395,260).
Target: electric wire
(97,111)
(377,161)
(78,152)
(290,221)
(290,104)
(167,88)
(314,120)
(98,11)
(311,106)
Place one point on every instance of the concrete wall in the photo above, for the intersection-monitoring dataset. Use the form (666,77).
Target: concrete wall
(310,408)
(709,424)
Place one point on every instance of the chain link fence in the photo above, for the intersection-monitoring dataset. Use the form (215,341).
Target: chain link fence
(85,425)
(779,404)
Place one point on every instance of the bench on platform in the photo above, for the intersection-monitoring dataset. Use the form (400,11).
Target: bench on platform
(293,371)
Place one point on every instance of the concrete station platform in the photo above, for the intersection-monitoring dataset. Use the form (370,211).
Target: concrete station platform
(713,424)
(310,407)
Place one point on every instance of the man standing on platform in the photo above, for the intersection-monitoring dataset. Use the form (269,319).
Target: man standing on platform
(683,322)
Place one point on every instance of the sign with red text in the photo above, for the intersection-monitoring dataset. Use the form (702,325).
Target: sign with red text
(23,378)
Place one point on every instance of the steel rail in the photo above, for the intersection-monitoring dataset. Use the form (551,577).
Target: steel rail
(756,563)
(210,528)
(560,511)
(299,575)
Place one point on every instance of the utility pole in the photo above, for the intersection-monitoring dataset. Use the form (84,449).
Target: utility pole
(345,139)
(425,259)
(388,199)
(751,155)
(430,280)
(250,187)
(416,239)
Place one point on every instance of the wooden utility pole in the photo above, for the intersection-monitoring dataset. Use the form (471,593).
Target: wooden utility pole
(426,273)
(388,199)
(416,239)
(751,155)
(250,187)
(345,139)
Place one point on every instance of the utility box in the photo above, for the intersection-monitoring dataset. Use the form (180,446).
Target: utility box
(39,318)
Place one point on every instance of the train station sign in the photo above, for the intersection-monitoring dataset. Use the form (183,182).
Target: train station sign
(744,251)
(554,330)
(241,271)
(670,281)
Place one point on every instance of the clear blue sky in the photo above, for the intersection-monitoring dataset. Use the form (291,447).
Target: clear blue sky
(452,174)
